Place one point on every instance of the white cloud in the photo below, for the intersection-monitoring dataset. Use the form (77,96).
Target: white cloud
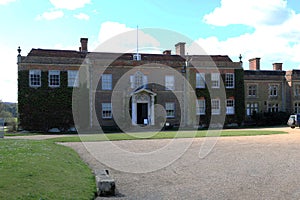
(51,15)
(276,36)
(117,37)
(4,2)
(69,4)
(82,16)
(249,12)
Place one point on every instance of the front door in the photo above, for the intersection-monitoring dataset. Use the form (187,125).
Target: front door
(142,112)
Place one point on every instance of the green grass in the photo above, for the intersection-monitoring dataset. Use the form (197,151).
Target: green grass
(162,135)
(43,170)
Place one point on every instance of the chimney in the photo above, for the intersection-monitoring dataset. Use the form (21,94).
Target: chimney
(277,66)
(167,52)
(84,43)
(180,48)
(254,64)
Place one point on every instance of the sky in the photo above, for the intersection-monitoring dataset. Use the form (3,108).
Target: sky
(268,29)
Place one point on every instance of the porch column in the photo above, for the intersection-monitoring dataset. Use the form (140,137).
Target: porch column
(152,110)
(133,108)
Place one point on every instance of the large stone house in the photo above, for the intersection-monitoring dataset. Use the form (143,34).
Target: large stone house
(63,89)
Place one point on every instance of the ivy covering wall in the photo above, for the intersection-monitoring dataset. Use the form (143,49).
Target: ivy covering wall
(43,108)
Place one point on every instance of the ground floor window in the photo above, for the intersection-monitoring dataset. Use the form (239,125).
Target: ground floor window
(273,107)
(170,110)
(200,107)
(251,108)
(229,107)
(297,107)
(106,111)
(215,107)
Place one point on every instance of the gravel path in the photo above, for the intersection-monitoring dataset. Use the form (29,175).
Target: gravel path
(248,167)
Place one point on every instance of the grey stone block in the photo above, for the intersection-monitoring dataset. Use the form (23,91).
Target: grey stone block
(105,184)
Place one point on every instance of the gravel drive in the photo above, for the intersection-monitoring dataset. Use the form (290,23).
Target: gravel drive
(247,167)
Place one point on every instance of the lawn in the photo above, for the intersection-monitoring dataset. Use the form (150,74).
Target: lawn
(162,135)
(43,170)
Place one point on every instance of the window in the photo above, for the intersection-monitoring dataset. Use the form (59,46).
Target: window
(252,90)
(215,80)
(273,107)
(273,90)
(215,107)
(73,78)
(169,82)
(297,107)
(200,80)
(229,80)
(230,107)
(106,111)
(35,78)
(200,107)
(251,108)
(170,110)
(106,81)
(297,90)
(54,78)
(138,79)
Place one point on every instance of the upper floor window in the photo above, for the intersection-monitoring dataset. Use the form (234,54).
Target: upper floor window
(215,80)
(297,90)
(273,90)
(252,90)
(170,110)
(200,80)
(169,82)
(106,81)
(35,78)
(106,111)
(229,80)
(138,79)
(215,107)
(230,107)
(73,78)
(200,107)
(54,78)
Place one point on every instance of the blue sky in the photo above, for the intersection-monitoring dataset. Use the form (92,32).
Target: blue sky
(269,29)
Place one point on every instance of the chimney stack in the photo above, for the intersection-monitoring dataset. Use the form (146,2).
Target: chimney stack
(254,64)
(277,66)
(167,52)
(180,48)
(84,44)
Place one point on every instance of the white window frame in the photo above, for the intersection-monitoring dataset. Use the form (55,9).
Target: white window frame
(215,107)
(106,111)
(229,80)
(169,82)
(200,80)
(251,107)
(106,82)
(200,107)
(252,89)
(215,80)
(54,78)
(297,90)
(170,109)
(273,107)
(73,78)
(297,107)
(230,107)
(138,79)
(35,78)
(273,90)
